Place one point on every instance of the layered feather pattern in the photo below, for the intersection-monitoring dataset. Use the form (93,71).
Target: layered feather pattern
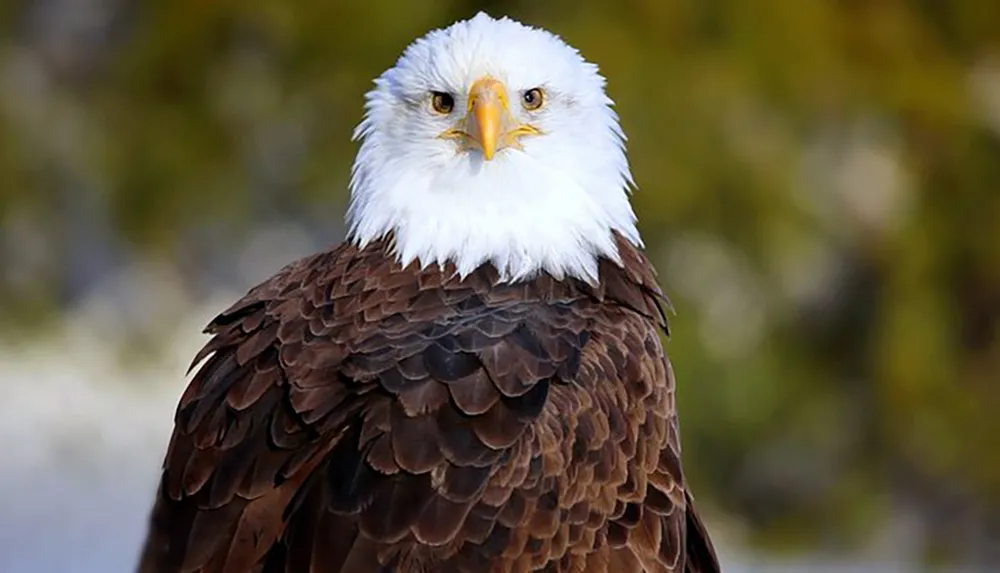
(350,415)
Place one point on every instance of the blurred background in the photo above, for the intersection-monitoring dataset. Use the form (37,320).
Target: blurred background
(819,183)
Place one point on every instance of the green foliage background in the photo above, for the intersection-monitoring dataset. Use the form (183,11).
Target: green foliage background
(819,185)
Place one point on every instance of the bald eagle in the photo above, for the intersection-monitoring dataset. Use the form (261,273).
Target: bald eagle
(474,381)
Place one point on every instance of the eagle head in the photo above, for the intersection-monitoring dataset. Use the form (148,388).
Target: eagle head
(492,142)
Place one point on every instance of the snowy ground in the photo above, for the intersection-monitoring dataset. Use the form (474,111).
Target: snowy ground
(82,443)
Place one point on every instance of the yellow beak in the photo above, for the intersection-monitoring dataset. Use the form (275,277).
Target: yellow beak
(488,108)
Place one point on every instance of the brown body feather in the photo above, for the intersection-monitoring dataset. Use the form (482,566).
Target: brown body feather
(353,416)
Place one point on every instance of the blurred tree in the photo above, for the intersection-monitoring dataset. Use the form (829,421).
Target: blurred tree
(818,183)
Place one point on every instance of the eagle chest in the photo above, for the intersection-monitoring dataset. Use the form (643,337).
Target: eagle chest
(550,414)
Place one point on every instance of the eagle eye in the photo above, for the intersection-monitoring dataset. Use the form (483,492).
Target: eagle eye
(533,99)
(442,102)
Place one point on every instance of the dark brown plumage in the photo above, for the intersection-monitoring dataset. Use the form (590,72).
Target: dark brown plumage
(353,416)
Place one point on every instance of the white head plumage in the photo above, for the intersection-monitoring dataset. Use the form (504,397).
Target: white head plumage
(491,141)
